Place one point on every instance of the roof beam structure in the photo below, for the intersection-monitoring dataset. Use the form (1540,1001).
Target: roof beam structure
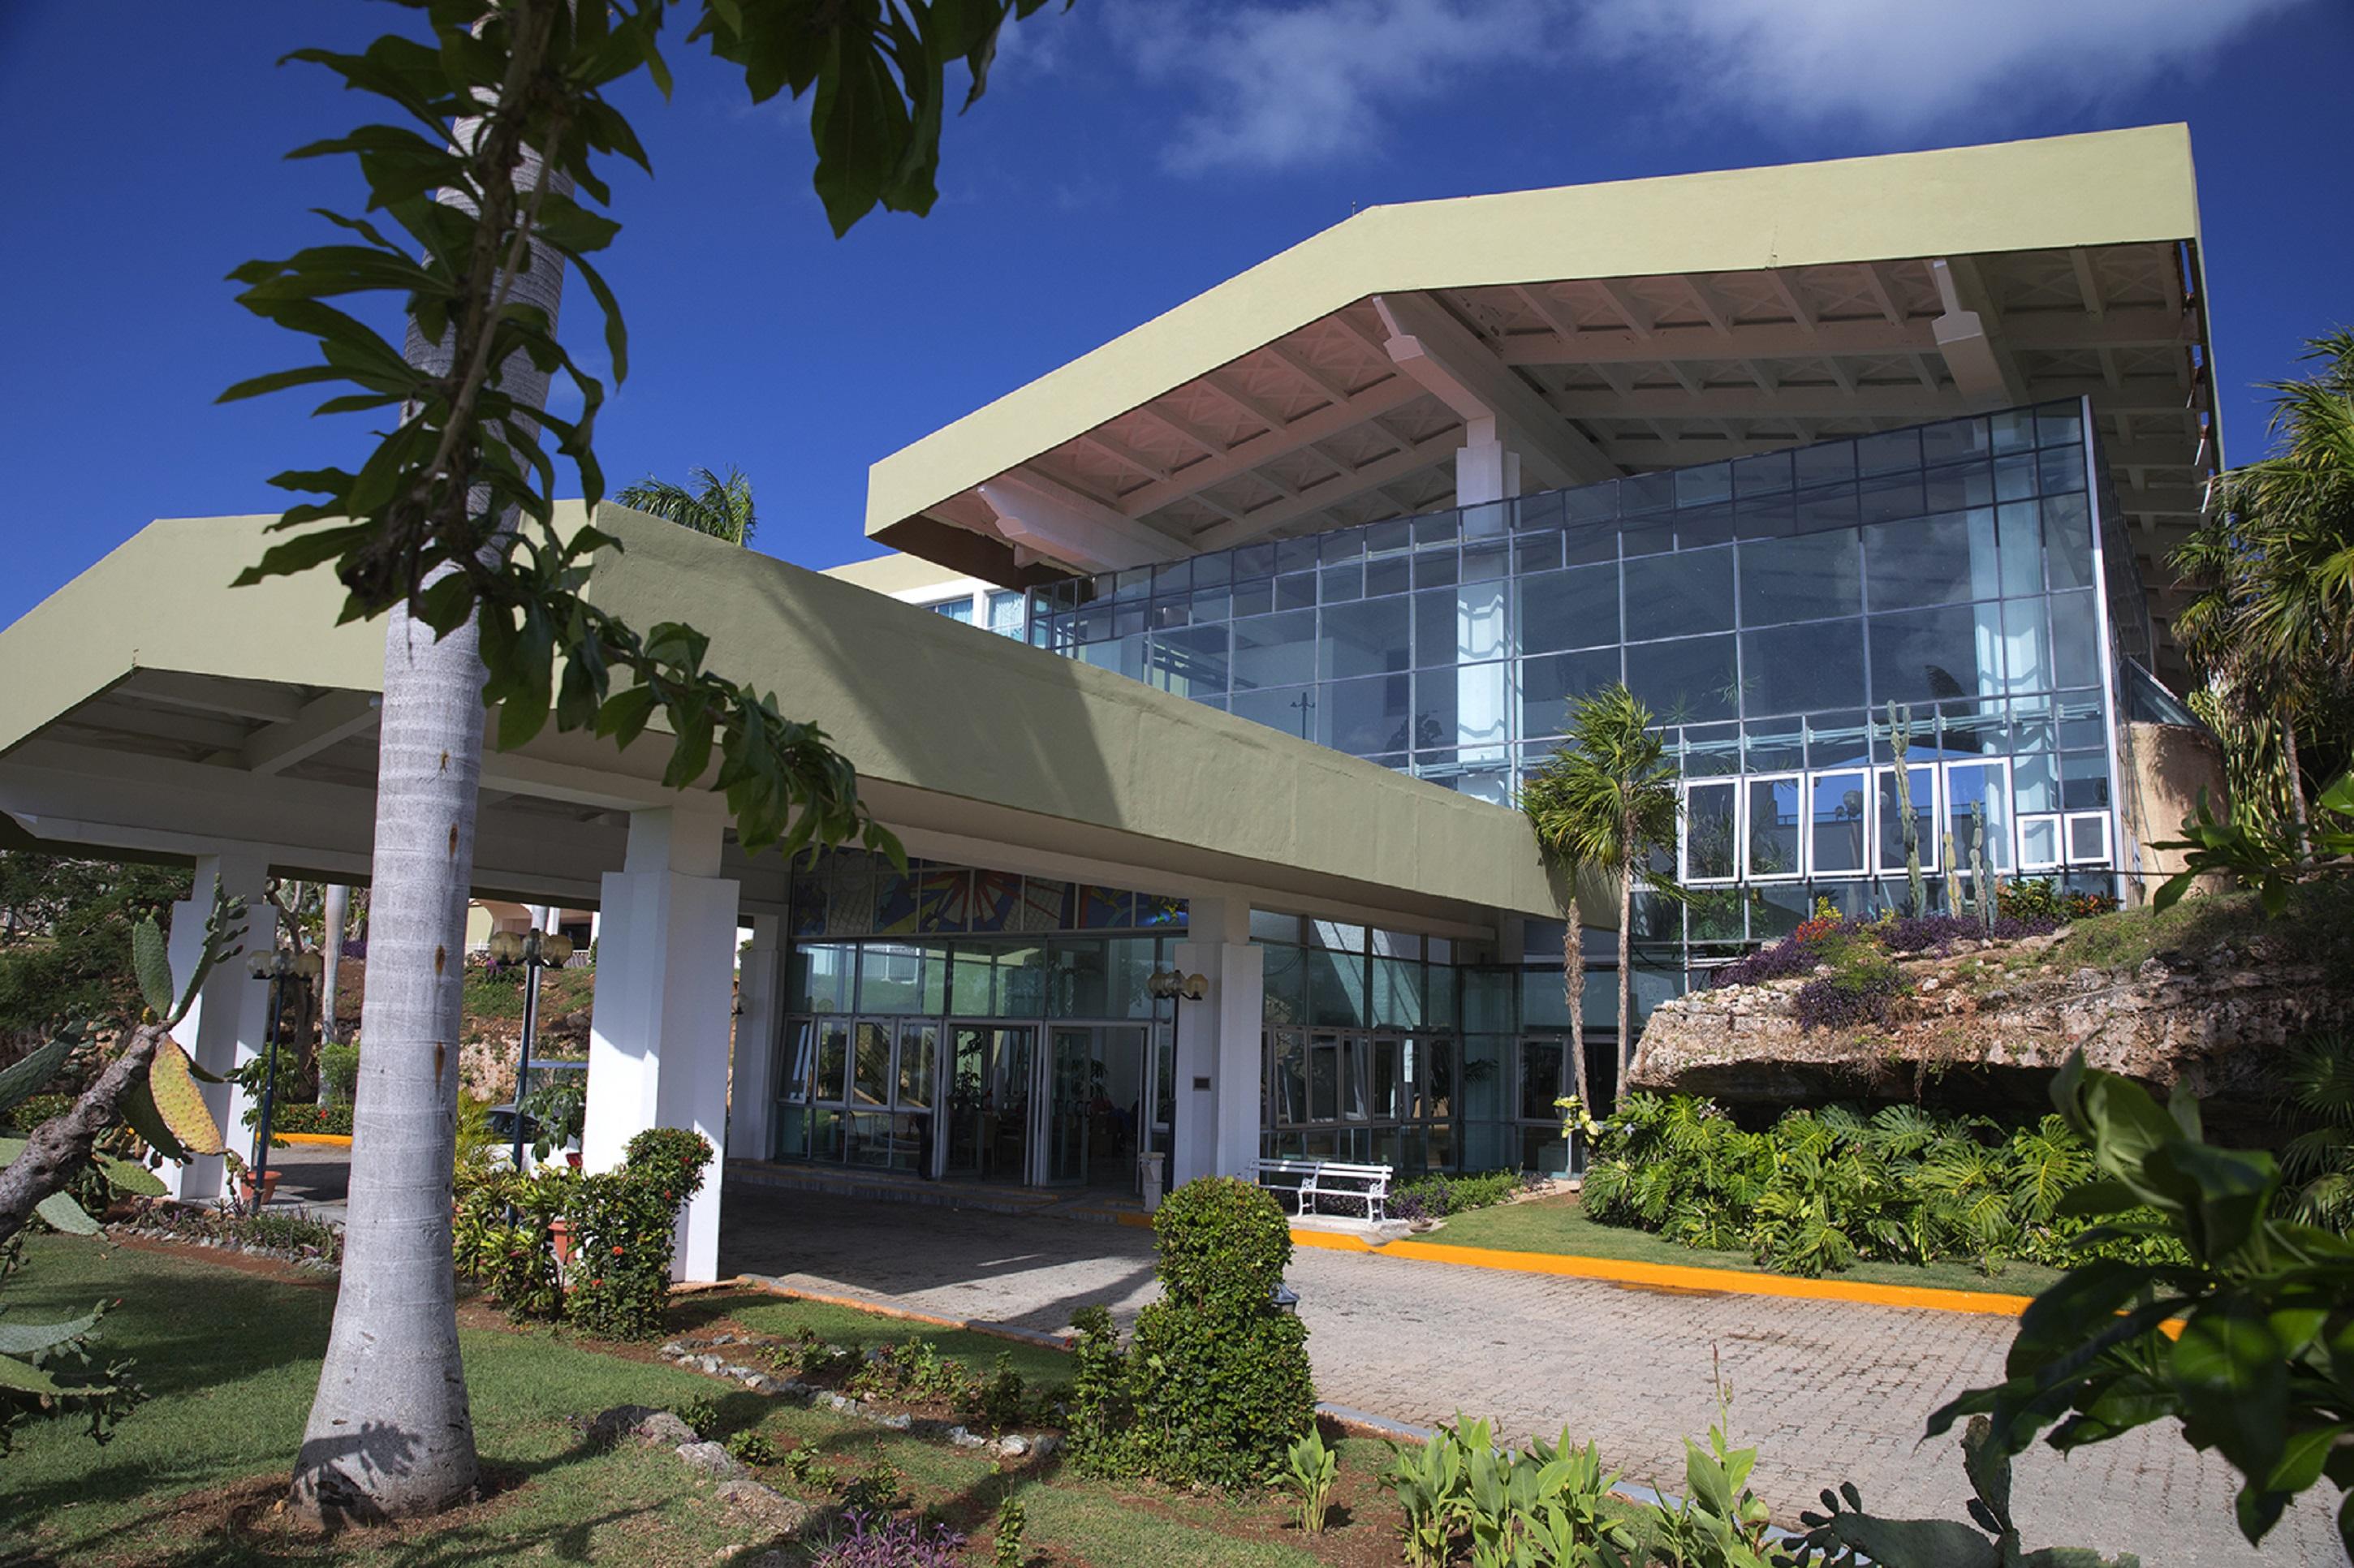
(322,722)
(1346,485)
(1448,358)
(1987,372)
(1059,522)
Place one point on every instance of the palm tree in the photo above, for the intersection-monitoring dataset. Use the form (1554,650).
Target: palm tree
(2272,630)
(1607,797)
(720,507)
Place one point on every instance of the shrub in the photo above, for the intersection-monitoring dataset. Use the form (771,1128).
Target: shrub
(500,1235)
(1013,1524)
(339,1073)
(1436,1197)
(752,1447)
(34,1109)
(1823,1188)
(699,1414)
(1222,1243)
(866,1538)
(1859,994)
(294,1115)
(623,1231)
(1216,1383)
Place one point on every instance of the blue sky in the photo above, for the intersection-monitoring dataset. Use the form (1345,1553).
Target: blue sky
(1131,153)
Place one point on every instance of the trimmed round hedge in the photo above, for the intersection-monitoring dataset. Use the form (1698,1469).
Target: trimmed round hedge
(1224,1245)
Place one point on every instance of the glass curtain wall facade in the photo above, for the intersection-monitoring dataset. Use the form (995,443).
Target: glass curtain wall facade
(1785,616)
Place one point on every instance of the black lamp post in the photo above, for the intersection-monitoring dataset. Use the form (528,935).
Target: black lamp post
(1178,988)
(280,967)
(536,950)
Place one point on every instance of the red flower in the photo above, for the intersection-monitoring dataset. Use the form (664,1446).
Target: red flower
(617,1252)
(597,1284)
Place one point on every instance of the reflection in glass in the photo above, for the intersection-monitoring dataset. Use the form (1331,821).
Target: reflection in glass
(1772,827)
(1838,817)
(1924,783)
(1709,832)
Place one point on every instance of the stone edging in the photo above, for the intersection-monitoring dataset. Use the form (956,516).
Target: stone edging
(690,1354)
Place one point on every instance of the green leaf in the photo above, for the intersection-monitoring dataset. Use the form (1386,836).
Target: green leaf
(32,1339)
(151,961)
(62,1212)
(129,1177)
(140,1115)
(21,1378)
(24,1078)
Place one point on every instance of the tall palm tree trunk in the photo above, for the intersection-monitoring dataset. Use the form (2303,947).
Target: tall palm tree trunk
(1626,969)
(338,915)
(2295,789)
(1572,986)
(390,1434)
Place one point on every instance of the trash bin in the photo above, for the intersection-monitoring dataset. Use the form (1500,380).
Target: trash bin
(1148,1178)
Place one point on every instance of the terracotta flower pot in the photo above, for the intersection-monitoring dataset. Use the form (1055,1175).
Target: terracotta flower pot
(269,1185)
(572,1158)
(559,1236)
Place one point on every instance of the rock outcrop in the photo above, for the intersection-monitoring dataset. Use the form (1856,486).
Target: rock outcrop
(1987,1025)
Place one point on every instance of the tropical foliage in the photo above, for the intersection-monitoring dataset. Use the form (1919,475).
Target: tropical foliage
(1607,797)
(1540,1504)
(1821,1190)
(720,507)
(2243,1334)
(65,938)
(2272,628)
(2317,1162)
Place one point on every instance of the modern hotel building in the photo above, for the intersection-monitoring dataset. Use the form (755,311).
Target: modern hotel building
(1267,604)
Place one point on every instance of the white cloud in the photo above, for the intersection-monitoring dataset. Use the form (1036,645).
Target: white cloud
(1286,85)
(1905,67)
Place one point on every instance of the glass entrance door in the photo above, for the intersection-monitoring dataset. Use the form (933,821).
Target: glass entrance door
(1074,1080)
(989,1097)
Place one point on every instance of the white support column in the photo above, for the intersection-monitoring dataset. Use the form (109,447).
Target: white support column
(1486,469)
(659,1031)
(1219,1063)
(760,1000)
(223,1030)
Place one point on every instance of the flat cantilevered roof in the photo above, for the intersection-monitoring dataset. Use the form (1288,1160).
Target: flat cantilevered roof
(232,718)
(1606,329)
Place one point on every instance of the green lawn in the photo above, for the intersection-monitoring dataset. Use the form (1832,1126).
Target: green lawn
(1559,1226)
(863,1330)
(231,1360)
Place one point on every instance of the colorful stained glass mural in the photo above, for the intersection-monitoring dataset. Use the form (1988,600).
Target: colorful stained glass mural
(943,899)
(1159,909)
(1104,908)
(850,897)
(1046,906)
(895,902)
(995,897)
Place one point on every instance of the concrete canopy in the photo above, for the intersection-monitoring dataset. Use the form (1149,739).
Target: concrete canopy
(150,712)
(1599,330)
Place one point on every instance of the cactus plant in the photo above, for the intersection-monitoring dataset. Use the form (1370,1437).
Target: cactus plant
(1899,742)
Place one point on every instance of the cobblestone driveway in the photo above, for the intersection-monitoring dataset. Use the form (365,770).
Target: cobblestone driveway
(1825,1392)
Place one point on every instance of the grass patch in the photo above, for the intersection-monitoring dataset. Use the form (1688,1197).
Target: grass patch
(2317,925)
(862,1331)
(231,1358)
(1559,1226)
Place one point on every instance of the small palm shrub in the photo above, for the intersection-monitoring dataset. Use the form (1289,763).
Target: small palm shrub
(1823,1189)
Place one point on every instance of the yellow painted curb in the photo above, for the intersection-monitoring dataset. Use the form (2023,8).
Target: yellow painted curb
(1679,1277)
(332,1139)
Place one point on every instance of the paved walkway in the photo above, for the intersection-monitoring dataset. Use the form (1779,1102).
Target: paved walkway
(1826,1393)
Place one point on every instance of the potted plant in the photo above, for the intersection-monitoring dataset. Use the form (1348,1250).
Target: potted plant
(558,1108)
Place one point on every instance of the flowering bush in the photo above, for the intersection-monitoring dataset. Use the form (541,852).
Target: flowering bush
(623,1231)
(288,1117)
(1436,1197)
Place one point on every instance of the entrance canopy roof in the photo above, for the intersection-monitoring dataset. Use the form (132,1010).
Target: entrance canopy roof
(152,709)
(1603,329)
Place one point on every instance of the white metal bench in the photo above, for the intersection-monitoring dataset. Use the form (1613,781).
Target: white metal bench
(1310,1180)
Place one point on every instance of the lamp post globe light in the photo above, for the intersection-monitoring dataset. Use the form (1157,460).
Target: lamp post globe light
(535,950)
(279,968)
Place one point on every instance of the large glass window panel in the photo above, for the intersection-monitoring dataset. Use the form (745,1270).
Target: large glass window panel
(819,978)
(1468,706)
(2068,541)
(2019,527)
(2075,640)
(1924,655)
(1192,662)
(2026,647)
(1691,679)
(1292,709)
(918,1053)
(1688,591)
(1551,684)
(1774,827)
(1487,1078)
(1323,1080)
(870,1082)
(1804,578)
(1794,668)
(1983,785)
(1275,649)
(1356,1066)
(1337,989)
(1711,812)
(1006,613)
(1836,814)
(1290,1071)
(1924,783)
(832,1081)
(1931,560)
(1370,638)
(1365,718)
(1542,1082)
(1575,607)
